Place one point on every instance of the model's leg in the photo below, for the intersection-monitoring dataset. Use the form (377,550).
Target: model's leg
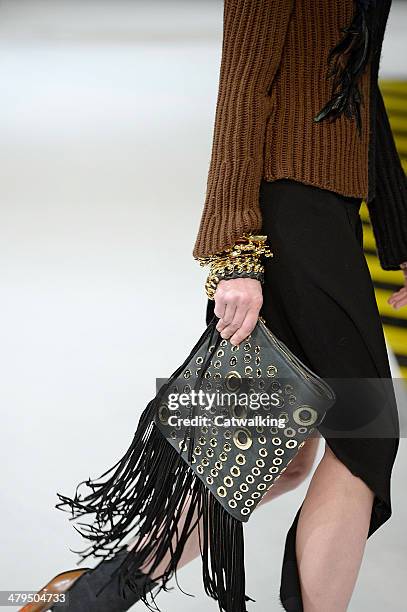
(331,535)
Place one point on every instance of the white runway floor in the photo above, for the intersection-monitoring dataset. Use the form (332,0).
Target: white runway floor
(106,119)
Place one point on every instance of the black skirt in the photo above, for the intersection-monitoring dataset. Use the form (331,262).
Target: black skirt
(319,300)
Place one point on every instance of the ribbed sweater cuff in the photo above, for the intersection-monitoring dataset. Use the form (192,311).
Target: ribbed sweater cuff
(232,205)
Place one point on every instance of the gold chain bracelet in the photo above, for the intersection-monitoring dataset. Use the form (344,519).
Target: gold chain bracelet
(242,260)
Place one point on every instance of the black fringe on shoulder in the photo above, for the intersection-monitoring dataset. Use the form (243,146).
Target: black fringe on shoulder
(346,63)
(153,494)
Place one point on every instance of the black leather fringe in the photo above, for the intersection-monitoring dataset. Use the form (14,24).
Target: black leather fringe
(346,63)
(153,494)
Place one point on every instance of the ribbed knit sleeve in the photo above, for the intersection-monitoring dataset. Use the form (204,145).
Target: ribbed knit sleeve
(388,209)
(253,38)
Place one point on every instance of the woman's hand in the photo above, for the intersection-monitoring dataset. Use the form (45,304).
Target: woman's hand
(399,298)
(237,306)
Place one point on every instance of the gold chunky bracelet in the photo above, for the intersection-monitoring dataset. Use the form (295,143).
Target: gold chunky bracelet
(242,260)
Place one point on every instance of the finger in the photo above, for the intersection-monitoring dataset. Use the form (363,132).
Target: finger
(240,314)
(228,315)
(246,328)
(394,297)
(400,301)
(220,305)
(397,295)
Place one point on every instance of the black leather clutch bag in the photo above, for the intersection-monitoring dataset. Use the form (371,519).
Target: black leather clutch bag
(218,434)
(238,415)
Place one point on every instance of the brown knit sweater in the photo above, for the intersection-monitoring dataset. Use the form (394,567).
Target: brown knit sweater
(272,83)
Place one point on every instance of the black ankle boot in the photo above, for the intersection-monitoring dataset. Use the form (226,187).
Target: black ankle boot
(91,593)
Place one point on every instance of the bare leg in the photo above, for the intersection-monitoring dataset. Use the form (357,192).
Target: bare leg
(294,475)
(331,535)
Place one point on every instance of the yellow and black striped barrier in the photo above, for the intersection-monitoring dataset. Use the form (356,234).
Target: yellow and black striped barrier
(385,282)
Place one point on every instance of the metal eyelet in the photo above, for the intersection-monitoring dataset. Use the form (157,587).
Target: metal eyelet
(233,380)
(250,479)
(228,481)
(240,459)
(279,452)
(245,511)
(164,413)
(263,452)
(305,415)
(277,461)
(239,412)
(256,471)
(242,439)
(291,443)
(232,503)
(244,487)
(235,471)
(276,441)
(221,491)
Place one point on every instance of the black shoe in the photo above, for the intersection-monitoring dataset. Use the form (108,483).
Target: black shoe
(93,590)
